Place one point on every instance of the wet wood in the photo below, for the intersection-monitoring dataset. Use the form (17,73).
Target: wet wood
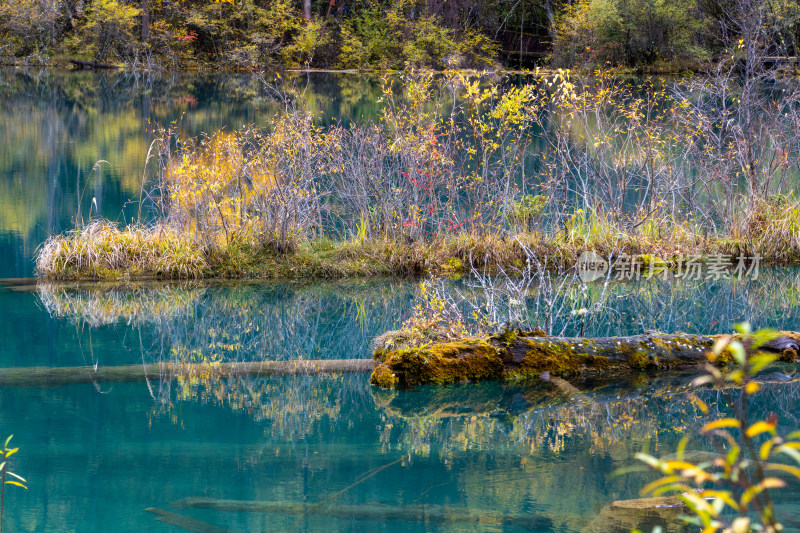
(59,376)
(429,514)
(185,522)
(650,349)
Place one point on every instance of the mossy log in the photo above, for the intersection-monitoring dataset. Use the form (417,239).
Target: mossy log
(44,376)
(523,354)
(430,514)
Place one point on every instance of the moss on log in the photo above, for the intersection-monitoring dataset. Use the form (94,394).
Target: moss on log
(513,355)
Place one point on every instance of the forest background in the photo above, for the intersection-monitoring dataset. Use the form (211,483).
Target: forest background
(642,35)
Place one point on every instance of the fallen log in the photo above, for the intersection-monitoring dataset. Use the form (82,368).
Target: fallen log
(185,522)
(511,355)
(80,64)
(429,514)
(44,376)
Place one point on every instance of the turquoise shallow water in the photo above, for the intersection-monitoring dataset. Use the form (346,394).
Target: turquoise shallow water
(522,456)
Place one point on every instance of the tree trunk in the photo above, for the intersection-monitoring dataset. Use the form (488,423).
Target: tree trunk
(145,20)
(307,9)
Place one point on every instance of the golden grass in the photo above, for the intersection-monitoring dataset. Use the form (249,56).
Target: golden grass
(103,251)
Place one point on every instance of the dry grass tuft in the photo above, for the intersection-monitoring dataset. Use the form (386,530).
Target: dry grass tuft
(102,251)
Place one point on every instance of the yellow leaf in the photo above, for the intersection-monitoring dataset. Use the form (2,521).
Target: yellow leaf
(784,468)
(763,452)
(750,493)
(773,483)
(659,482)
(721,423)
(722,495)
(758,428)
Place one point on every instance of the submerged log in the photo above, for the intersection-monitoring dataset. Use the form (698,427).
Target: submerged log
(644,514)
(185,522)
(523,354)
(430,514)
(44,376)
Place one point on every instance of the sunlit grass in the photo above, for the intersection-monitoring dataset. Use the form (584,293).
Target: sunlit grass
(102,251)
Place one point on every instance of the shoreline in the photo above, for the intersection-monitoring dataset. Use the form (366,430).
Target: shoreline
(63,64)
(101,252)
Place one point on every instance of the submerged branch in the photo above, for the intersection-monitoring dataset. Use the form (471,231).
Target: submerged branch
(57,376)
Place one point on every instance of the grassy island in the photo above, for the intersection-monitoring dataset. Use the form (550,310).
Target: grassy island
(462,171)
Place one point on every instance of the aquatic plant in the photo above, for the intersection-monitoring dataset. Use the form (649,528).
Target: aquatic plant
(18,480)
(727,491)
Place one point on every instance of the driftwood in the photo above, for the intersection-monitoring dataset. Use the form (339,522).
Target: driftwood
(430,514)
(184,522)
(522,354)
(643,514)
(44,376)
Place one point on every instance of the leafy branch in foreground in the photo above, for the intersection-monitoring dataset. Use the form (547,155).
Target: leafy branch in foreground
(18,480)
(733,491)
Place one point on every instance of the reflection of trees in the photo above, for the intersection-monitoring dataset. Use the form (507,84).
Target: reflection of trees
(668,305)
(194,323)
(201,323)
(505,447)
(57,125)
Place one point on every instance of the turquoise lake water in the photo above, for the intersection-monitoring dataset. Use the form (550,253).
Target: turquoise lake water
(488,457)
(523,455)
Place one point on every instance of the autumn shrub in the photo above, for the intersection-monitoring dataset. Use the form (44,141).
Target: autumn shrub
(28,27)
(250,185)
(734,491)
(111,28)
(456,167)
